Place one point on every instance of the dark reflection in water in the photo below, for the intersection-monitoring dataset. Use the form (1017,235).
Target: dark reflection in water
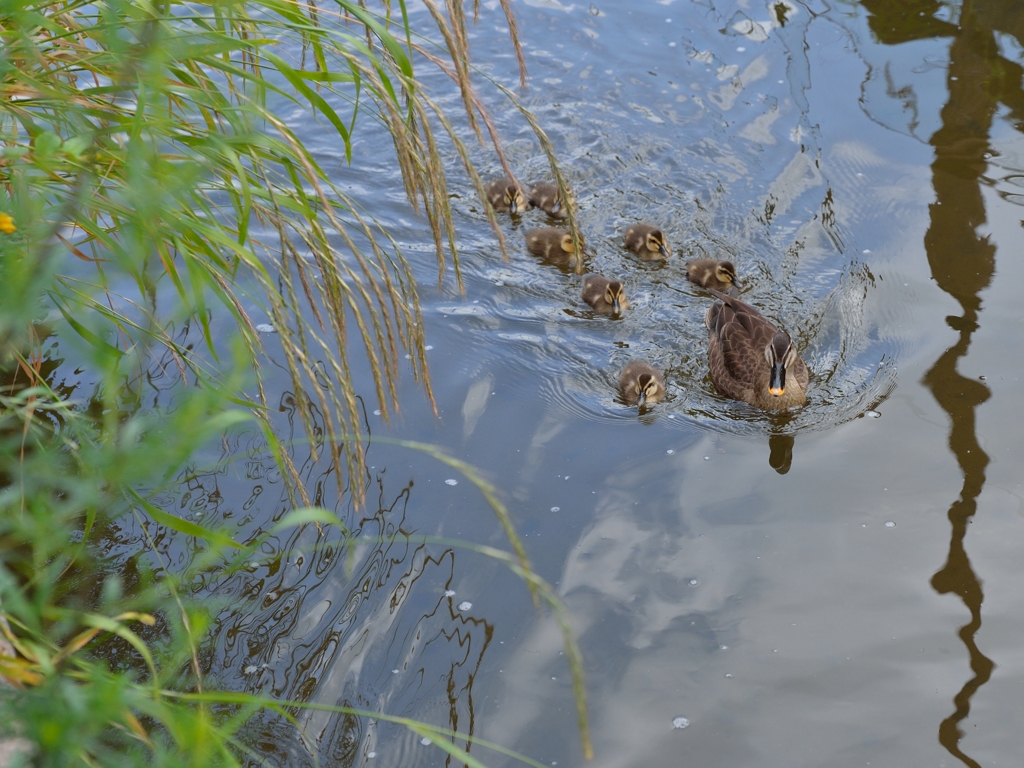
(780,453)
(360,614)
(962,262)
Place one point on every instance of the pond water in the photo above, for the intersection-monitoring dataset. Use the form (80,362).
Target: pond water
(837,587)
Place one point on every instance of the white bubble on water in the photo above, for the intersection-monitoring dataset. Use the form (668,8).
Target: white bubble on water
(425,741)
(451,481)
(429,347)
(371,755)
(890,524)
(251,669)
(266,328)
(723,647)
(707,458)
(680,722)
(465,606)
(556,509)
(669,451)
(872,414)
(728,674)
(693,582)
(377,412)
(449,593)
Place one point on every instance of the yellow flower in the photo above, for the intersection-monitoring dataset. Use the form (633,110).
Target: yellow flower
(7,224)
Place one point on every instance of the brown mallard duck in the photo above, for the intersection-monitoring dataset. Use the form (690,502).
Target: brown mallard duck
(641,383)
(548,198)
(712,273)
(505,195)
(647,242)
(604,295)
(750,359)
(554,245)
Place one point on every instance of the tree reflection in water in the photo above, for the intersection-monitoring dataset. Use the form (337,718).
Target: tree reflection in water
(962,262)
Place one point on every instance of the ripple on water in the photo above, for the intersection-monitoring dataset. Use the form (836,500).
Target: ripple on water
(536,320)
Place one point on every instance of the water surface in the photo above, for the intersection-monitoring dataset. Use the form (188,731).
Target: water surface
(837,587)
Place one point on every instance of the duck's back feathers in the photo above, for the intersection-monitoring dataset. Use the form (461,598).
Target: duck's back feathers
(712,273)
(554,245)
(549,199)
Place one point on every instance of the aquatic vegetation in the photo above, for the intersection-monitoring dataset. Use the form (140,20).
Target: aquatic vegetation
(156,185)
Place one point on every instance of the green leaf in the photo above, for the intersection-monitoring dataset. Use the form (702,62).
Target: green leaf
(306,515)
(46,144)
(184,526)
(314,98)
(76,145)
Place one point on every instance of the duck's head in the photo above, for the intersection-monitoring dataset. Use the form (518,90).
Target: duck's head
(725,272)
(567,244)
(656,243)
(562,201)
(647,389)
(780,354)
(616,296)
(515,199)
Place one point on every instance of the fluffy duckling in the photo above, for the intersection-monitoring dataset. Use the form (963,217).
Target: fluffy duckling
(505,195)
(752,360)
(711,273)
(641,383)
(605,296)
(647,242)
(554,245)
(548,198)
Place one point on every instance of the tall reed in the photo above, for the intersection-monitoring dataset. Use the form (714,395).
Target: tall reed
(148,181)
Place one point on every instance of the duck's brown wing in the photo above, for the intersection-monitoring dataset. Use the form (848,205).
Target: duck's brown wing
(802,374)
(738,335)
(720,375)
(731,353)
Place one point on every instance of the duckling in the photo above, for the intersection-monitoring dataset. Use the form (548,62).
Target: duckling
(505,195)
(647,242)
(641,383)
(554,245)
(604,295)
(711,273)
(750,359)
(548,198)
